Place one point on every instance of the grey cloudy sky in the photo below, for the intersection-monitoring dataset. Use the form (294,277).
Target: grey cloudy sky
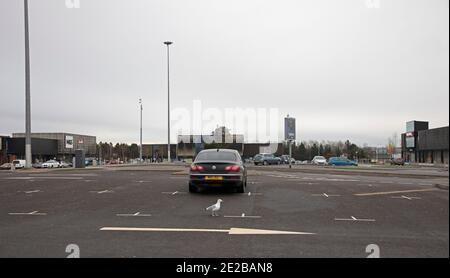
(343,69)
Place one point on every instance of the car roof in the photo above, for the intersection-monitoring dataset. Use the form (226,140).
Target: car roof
(220,150)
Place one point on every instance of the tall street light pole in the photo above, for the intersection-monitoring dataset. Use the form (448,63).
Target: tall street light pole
(167,43)
(140,135)
(27,92)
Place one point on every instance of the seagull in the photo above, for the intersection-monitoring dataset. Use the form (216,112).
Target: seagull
(214,208)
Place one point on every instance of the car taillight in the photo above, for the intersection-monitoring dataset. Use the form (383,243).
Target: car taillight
(195,167)
(233,168)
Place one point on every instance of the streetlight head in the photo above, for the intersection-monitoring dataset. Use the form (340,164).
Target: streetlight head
(167,43)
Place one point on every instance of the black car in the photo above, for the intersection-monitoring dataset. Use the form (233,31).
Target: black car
(218,168)
(266,159)
(397,161)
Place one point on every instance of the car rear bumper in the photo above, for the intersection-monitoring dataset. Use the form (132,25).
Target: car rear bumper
(228,180)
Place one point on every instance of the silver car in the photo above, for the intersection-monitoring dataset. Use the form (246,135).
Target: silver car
(319,160)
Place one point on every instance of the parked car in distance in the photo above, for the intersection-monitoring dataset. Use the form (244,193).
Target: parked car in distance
(5,166)
(341,161)
(64,164)
(50,164)
(248,160)
(319,160)
(37,165)
(266,159)
(285,159)
(19,163)
(218,167)
(397,161)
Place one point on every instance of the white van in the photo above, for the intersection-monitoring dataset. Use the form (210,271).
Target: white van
(19,163)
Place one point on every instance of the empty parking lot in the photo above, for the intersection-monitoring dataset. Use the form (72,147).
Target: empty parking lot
(148,212)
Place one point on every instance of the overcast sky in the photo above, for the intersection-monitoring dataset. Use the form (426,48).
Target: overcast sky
(348,69)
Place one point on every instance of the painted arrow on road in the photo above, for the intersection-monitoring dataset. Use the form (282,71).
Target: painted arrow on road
(231,231)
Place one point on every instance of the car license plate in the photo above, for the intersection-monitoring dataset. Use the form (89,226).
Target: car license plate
(213,178)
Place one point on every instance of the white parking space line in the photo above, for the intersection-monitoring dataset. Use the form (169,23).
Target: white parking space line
(231,231)
(43,178)
(363,184)
(142,181)
(27,213)
(254,182)
(352,218)
(240,216)
(330,179)
(406,197)
(137,214)
(102,192)
(66,175)
(174,192)
(326,195)
(252,194)
(30,191)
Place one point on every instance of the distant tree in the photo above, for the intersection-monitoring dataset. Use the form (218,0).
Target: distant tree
(314,150)
(392,144)
(134,151)
(299,152)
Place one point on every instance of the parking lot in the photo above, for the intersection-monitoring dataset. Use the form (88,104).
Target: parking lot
(148,212)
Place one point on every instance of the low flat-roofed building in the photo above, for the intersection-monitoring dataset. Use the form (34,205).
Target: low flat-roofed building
(42,149)
(423,145)
(67,143)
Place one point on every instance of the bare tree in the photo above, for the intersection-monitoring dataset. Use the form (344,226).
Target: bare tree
(392,144)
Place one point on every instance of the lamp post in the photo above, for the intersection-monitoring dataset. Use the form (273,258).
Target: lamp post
(27,92)
(140,133)
(167,43)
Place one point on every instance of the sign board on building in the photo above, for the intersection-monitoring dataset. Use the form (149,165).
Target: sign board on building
(289,128)
(69,142)
(80,141)
(410,142)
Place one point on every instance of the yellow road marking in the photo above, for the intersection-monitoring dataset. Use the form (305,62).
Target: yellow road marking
(395,192)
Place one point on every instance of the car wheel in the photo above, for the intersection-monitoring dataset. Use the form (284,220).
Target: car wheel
(241,188)
(193,188)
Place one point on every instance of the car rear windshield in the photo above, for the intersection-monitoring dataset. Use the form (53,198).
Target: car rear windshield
(216,156)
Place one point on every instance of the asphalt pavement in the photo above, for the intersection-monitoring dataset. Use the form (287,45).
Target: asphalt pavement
(148,212)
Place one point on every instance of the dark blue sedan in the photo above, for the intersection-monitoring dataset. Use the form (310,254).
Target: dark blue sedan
(341,161)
